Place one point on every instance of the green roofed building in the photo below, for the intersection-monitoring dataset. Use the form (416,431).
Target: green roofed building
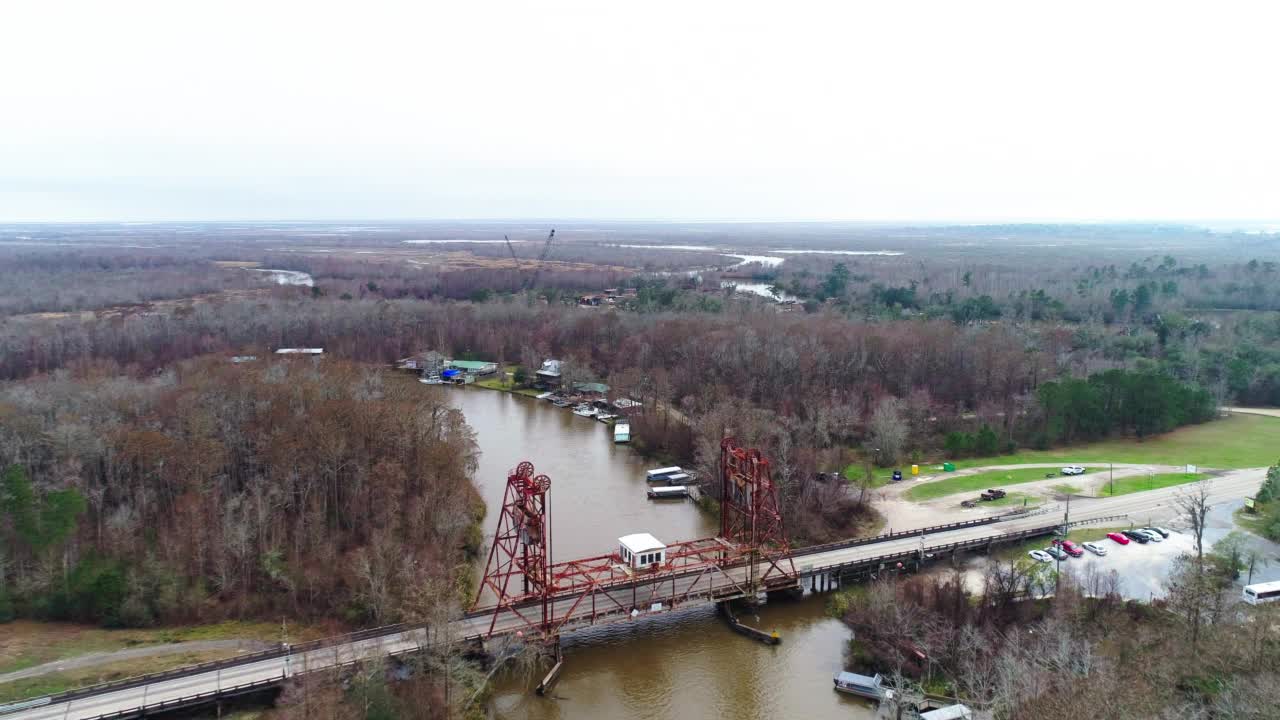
(600,388)
(474,367)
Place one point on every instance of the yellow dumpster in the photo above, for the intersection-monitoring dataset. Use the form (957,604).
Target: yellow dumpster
(915,469)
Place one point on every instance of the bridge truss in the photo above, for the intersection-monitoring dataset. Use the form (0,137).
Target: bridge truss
(531,594)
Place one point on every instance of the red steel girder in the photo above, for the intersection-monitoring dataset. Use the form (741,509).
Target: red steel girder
(750,515)
(521,551)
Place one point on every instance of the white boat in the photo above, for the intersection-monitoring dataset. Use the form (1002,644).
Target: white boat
(544,395)
(622,432)
(871,688)
(674,491)
(432,379)
(660,474)
(585,410)
(605,417)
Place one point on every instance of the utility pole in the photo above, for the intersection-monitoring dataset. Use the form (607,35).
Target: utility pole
(1112,472)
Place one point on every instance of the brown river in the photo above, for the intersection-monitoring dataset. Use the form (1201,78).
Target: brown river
(682,665)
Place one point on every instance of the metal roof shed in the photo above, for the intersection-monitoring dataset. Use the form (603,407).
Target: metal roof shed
(641,550)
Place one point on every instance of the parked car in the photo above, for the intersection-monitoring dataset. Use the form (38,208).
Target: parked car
(1162,531)
(1056,553)
(1118,537)
(897,476)
(1041,556)
(1141,538)
(1152,534)
(1071,548)
(1095,548)
(1073,470)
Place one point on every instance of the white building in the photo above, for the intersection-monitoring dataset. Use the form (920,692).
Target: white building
(641,550)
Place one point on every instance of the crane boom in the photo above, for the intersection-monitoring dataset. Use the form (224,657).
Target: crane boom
(546,248)
(512,250)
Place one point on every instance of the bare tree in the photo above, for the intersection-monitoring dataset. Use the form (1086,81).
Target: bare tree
(1193,505)
(889,430)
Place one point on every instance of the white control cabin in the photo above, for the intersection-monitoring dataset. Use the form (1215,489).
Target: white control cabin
(641,550)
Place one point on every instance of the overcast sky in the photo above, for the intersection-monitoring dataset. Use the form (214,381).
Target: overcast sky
(689,110)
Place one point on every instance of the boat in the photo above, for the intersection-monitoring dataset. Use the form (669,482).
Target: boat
(673,491)
(544,396)
(562,403)
(660,474)
(679,478)
(431,379)
(950,712)
(585,410)
(622,432)
(871,688)
(605,417)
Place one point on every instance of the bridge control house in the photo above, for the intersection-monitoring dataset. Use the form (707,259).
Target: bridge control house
(641,551)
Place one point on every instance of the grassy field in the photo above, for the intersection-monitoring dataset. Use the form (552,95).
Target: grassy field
(1239,441)
(62,681)
(977,482)
(1139,483)
(25,643)
(505,385)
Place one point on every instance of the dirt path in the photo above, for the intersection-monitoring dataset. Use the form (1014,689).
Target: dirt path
(102,658)
(1270,412)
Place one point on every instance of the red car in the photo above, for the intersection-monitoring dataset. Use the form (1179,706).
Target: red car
(1071,548)
(1118,538)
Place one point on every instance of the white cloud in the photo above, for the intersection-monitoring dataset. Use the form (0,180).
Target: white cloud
(670,110)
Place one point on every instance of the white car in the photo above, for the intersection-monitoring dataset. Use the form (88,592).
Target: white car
(1160,530)
(1073,470)
(1152,534)
(1094,548)
(1041,556)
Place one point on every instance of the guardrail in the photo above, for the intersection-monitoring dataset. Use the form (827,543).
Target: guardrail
(213,665)
(916,532)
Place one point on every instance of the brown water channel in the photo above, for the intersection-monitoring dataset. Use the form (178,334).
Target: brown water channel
(682,665)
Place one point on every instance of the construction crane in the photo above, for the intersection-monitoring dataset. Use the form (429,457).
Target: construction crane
(546,249)
(513,252)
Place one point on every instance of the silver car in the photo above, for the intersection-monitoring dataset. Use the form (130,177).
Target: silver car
(1073,470)
(1040,555)
(1094,548)
(1152,534)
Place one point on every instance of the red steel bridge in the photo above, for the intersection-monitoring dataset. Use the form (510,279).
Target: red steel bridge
(525,591)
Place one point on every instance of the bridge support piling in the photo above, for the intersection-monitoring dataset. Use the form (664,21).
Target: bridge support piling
(726,611)
(554,673)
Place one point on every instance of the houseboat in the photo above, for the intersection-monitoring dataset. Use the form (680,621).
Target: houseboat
(679,478)
(622,432)
(671,491)
(871,688)
(585,410)
(431,379)
(660,474)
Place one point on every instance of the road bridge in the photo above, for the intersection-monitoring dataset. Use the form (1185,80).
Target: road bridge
(622,599)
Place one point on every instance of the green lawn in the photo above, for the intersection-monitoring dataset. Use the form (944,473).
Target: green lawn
(505,385)
(880,476)
(1066,489)
(1239,441)
(1139,483)
(978,482)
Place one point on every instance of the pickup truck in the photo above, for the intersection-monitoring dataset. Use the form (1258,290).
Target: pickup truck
(993,494)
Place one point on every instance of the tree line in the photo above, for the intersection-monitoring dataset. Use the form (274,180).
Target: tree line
(214,490)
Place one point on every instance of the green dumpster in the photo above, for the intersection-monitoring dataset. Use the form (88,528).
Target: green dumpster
(949,467)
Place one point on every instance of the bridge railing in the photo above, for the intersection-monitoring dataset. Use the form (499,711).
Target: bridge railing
(915,532)
(215,665)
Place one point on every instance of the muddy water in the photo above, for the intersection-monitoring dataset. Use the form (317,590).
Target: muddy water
(682,665)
